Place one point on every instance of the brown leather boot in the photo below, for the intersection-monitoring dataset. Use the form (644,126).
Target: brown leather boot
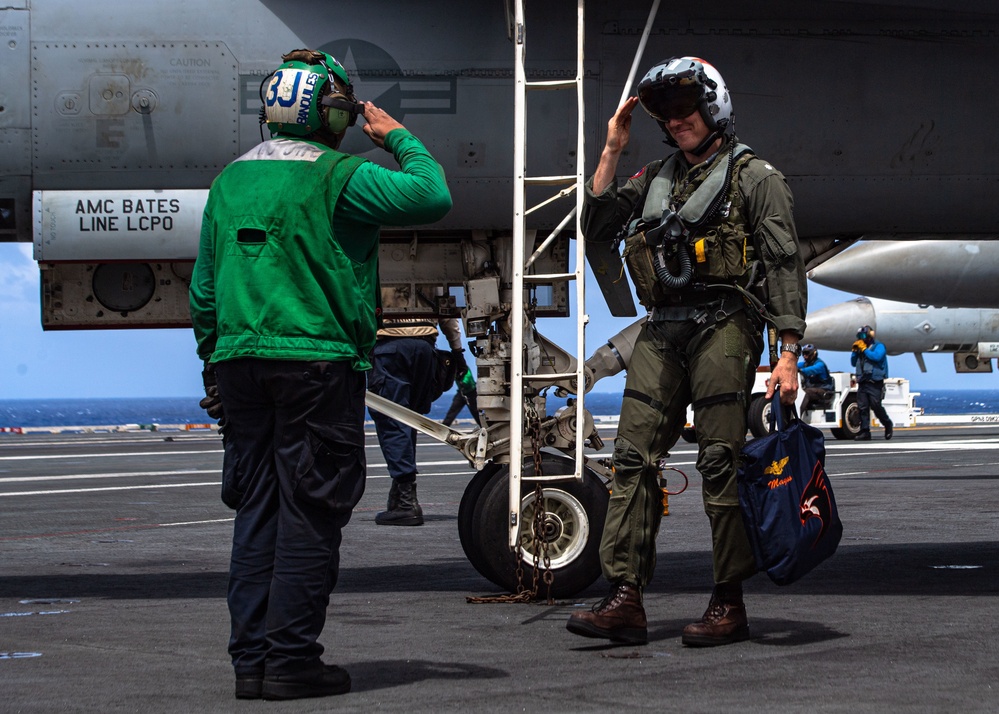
(619,617)
(723,623)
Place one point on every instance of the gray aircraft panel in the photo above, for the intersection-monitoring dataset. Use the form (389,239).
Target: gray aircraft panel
(115,109)
(862,93)
(875,112)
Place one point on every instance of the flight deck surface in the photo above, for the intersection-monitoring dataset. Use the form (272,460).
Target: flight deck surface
(115,558)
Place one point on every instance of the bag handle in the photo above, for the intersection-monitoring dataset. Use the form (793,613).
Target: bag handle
(779,413)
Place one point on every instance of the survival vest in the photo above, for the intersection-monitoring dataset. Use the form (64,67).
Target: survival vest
(870,369)
(715,232)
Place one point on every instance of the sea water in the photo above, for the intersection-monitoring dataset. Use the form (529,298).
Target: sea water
(185,410)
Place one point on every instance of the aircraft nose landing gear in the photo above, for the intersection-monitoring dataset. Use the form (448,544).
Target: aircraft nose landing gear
(571,526)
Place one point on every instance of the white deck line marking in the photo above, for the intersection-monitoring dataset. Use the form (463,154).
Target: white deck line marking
(140,454)
(105,488)
(124,474)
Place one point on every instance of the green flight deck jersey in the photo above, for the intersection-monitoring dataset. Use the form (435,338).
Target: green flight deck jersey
(287,264)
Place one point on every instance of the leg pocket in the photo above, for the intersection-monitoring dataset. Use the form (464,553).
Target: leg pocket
(331,472)
(234,482)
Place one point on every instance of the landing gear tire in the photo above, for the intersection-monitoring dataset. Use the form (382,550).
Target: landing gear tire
(467,513)
(689,434)
(759,416)
(573,523)
(851,420)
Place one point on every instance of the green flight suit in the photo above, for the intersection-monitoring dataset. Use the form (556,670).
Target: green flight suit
(680,358)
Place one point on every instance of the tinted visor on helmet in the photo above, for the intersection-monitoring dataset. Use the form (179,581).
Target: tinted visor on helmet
(665,102)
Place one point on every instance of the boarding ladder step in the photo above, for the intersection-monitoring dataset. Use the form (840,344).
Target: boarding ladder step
(549,180)
(549,376)
(548,277)
(552,84)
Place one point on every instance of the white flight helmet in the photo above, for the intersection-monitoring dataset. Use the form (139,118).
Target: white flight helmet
(677,87)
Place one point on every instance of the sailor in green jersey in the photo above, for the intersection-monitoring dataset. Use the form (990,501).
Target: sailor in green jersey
(700,228)
(283,301)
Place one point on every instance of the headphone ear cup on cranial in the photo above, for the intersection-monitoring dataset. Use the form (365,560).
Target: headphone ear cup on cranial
(337,120)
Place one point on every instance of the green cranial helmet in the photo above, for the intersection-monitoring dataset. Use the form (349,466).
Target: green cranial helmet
(297,95)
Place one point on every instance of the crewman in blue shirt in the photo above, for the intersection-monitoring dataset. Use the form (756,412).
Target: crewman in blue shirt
(816,382)
(870,357)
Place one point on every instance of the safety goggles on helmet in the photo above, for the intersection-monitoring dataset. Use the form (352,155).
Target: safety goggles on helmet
(675,97)
(807,349)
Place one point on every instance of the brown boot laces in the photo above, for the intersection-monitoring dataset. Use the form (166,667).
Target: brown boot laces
(715,612)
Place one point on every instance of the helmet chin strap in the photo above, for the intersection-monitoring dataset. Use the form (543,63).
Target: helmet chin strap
(702,148)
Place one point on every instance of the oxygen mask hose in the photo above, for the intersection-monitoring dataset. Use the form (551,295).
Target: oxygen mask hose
(686,270)
(671,232)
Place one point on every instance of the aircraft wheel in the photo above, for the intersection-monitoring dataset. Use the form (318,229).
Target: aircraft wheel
(689,434)
(759,416)
(467,510)
(573,523)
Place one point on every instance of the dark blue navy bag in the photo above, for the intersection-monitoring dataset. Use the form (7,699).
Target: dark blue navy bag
(787,502)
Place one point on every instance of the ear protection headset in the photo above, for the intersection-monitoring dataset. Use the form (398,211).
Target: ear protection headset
(308,92)
(341,107)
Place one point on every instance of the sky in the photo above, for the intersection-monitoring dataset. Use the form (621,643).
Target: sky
(35,364)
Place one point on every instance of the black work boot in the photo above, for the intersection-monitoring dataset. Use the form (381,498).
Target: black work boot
(723,623)
(406,511)
(619,617)
(322,680)
(249,685)
(393,497)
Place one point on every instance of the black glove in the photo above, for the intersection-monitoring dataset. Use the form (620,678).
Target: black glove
(212,403)
(459,362)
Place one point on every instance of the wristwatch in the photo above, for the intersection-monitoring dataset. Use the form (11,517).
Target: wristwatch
(794,349)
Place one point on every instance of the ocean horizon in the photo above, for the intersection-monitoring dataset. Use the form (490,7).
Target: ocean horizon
(146,411)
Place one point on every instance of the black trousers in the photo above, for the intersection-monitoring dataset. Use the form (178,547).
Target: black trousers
(459,402)
(401,368)
(812,396)
(869,396)
(295,469)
